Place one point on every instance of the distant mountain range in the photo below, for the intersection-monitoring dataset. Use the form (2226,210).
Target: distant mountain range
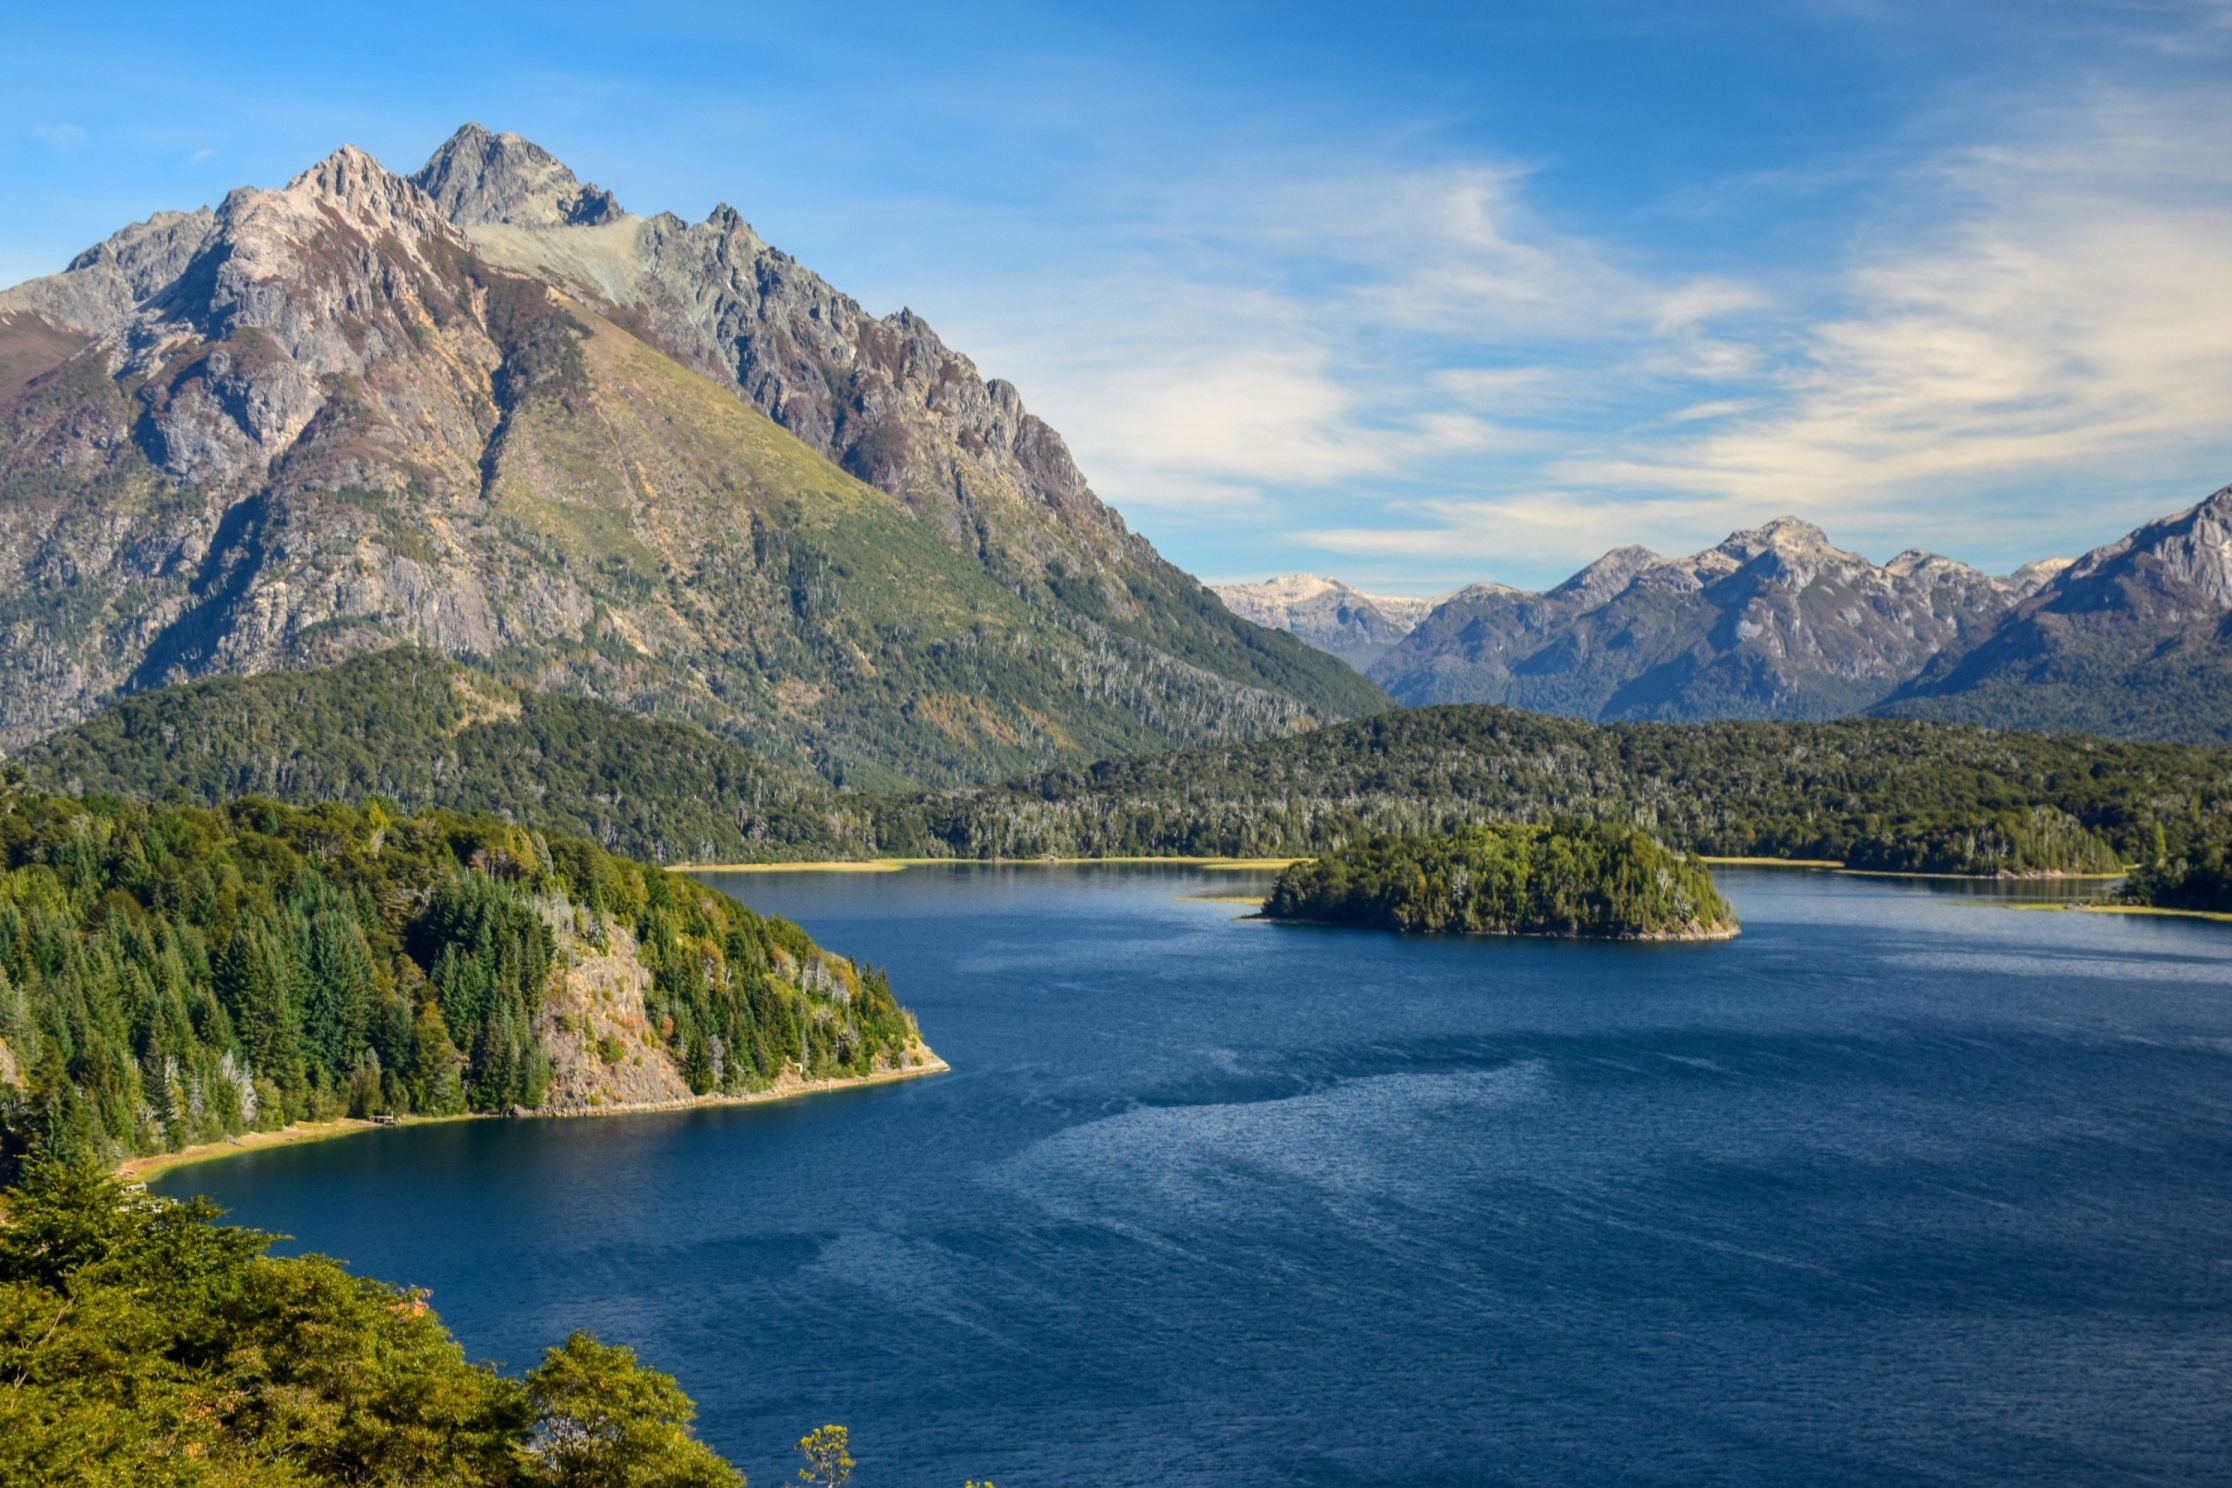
(1359,628)
(485,410)
(2132,640)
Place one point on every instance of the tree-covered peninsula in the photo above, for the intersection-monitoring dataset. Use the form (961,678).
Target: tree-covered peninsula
(2201,882)
(171,975)
(1587,880)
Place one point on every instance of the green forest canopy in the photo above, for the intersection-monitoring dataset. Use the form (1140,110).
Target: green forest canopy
(1576,878)
(170,974)
(142,1345)
(1875,793)
(1871,793)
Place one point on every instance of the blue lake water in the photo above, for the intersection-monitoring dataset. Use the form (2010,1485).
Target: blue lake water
(1900,1187)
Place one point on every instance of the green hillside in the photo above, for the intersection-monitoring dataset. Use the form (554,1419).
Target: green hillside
(170,975)
(428,733)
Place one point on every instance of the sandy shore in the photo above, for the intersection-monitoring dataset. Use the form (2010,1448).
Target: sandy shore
(2005,878)
(2133,909)
(790,1086)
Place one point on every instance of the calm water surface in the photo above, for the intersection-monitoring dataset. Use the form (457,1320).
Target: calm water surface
(1901,1187)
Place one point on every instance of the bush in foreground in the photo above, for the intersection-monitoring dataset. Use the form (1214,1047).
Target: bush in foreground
(142,1343)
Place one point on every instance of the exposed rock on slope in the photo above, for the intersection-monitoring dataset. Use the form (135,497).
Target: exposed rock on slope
(881,396)
(1359,628)
(2134,640)
(322,419)
(1771,623)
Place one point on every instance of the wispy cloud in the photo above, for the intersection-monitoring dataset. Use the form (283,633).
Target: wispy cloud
(60,138)
(1336,329)
(2055,302)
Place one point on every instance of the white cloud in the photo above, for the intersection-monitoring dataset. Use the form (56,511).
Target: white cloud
(1529,530)
(2051,305)
(1279,328)
(60,138)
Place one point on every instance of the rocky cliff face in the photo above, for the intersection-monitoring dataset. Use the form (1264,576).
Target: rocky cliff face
(2134,639)
(329,417)
(1359,628)
(881,396)
(1771,623)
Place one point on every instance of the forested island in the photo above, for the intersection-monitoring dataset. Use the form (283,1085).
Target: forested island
(170,975)
(1584,880)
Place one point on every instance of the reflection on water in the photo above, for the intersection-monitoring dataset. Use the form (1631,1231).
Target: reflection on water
(1901,1186)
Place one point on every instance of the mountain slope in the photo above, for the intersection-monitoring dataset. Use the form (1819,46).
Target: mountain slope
(319,420)
(2133,640)
(428,733)
(1359,628)
(1771,623)
(883,397)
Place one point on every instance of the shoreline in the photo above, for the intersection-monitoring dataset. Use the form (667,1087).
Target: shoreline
(895,865)
(2222,917)
(1702,937)
(2005,878)
(788,1086)
(1248,865)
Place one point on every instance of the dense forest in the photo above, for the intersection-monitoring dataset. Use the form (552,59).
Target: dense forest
(427,733)
(171,974)
(2202,881)
(1582,879)
(1885,794)
(1894,795)
(143,1344)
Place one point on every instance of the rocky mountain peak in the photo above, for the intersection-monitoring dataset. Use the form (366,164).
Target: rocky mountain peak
(2190,551)
(1791,536)
(349,186)
(1608,575)
(481,178)
(2034,576)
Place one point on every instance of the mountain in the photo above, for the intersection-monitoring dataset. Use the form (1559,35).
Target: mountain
(1359,628)
(486,411)
(2133,640)
(1771,623)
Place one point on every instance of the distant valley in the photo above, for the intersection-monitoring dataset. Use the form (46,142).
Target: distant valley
(2132,640)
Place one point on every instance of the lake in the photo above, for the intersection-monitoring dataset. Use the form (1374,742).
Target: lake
(1903,1186)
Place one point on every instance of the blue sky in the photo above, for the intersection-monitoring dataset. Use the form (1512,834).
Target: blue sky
(1411,294)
